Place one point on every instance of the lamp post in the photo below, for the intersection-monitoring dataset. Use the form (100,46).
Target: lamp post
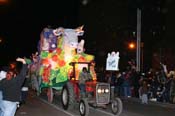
(138,39)
(142,56)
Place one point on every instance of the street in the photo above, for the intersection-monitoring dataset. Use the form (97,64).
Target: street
(34,106)
(38,106)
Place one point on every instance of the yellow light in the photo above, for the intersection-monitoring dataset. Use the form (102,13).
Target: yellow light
(94,78)
(106,90)
(99,90)
(131,45)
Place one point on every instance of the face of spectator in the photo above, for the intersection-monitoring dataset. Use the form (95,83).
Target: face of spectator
(10,75)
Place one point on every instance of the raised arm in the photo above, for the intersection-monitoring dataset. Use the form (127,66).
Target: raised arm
(23,71)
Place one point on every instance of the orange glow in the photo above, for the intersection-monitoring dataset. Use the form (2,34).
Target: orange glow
(94,79)
(4,2)
(131,45)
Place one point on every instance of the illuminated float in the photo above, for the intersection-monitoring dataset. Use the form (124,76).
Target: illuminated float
(61,59)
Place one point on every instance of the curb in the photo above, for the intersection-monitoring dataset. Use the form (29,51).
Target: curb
(167,105)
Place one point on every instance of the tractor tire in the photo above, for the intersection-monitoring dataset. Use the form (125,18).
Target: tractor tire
(68,96)
(84,107)
(117,106)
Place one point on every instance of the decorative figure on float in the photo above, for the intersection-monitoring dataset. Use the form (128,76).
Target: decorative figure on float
(112,61)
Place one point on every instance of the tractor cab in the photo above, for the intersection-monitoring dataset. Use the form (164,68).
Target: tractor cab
(76,69)
(74,77)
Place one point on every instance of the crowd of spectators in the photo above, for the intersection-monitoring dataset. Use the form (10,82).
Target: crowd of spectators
(159,85)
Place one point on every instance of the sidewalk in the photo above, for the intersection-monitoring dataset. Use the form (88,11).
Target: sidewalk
(161,104)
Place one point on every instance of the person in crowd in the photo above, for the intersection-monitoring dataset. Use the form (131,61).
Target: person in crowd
(135,77)
(126,84)
(2,76)
(83,77)
(172,87)
(107,77)
(167,90)
(11,89)
(24,90)
(33,73)
(154,85)
(144,92)
(118,84)
(171,84)
(111,80)
(12,66)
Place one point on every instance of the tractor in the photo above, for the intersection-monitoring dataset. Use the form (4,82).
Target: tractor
(98,94)
(60,59)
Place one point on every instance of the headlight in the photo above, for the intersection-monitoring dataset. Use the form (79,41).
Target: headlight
(106,90)
(103,90)
(99,90)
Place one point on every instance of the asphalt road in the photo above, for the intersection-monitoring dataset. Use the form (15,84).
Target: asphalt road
(34,106)
(135,108)
(38,106)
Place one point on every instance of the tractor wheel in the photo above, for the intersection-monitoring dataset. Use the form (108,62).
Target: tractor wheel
(50,95)
(84,107)
(117,106)
(67,96)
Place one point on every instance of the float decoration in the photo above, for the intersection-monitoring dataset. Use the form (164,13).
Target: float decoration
(57,48)
(112,61)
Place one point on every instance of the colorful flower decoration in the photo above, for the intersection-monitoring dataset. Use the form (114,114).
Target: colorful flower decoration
(55,66)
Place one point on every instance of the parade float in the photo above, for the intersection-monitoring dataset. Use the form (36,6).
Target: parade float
(58,48)
(61,57)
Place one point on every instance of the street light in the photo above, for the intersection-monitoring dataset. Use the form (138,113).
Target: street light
(131,50)
(132,45)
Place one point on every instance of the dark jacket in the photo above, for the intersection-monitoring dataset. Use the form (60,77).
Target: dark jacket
(11,89)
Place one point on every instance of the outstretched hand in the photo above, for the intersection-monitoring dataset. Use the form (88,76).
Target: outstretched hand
(21,60)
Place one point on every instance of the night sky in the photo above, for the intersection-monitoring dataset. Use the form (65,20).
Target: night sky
(21,22)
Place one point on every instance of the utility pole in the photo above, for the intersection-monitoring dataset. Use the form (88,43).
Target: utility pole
(138,39)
